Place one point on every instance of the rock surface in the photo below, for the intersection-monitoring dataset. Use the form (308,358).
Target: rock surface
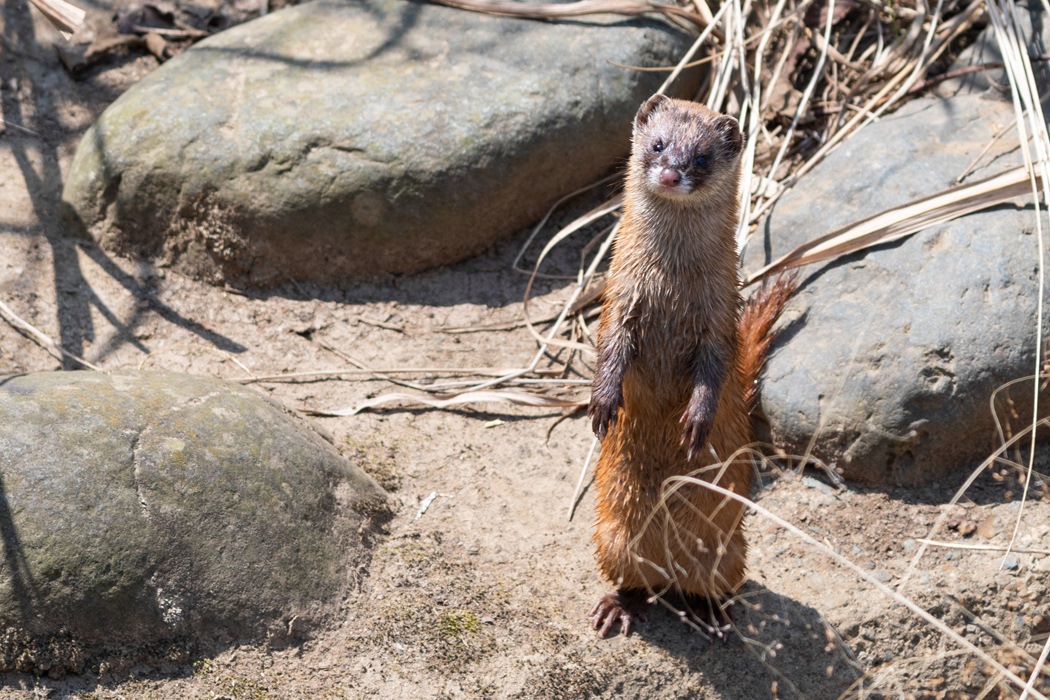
(340,140)
(139,506)
(889,357)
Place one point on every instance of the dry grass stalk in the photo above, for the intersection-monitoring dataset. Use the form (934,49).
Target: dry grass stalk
(517,398)
(984,151)
(66,17)
(894,224)
(509,8)
(543,222)
(583,475)
(1013,47)
(586,299)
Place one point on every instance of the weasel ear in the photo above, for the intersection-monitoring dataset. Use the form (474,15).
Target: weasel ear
(729,130)
(648,109)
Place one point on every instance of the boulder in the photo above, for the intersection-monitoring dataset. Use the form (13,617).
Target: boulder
(888,358)
(138,507)
(349,139)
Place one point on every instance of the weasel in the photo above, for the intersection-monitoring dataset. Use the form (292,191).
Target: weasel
(676,369)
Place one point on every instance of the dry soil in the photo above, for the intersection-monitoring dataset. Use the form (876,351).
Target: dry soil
(486,594)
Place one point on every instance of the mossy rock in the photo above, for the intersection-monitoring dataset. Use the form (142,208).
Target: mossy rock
(138,507)
(342,140)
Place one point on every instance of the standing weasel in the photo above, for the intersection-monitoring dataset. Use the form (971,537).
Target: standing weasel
(677,364)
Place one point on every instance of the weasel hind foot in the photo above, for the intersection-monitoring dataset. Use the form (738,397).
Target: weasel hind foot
(713,616)
(624,606)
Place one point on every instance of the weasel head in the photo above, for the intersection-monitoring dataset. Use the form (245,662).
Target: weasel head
(684,151)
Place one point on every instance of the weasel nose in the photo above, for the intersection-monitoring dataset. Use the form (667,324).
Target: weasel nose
(670,177)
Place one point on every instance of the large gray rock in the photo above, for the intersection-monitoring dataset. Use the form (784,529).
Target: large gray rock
(347,139)
(142,506)
(889,357)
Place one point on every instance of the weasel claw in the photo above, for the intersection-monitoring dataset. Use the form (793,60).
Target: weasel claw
(622,606)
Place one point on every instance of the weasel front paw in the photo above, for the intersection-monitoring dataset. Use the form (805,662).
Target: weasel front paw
(603,409)
(698,418)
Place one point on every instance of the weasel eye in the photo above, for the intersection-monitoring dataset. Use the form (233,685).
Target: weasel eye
(700,161)
(658,146)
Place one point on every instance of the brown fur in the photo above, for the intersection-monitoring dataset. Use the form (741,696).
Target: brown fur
(672,383)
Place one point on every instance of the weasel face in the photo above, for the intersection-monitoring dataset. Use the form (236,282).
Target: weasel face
(682,149)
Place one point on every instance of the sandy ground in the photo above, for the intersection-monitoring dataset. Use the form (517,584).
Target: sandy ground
(486,594)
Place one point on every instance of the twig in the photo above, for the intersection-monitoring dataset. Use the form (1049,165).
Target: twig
(973,164)
(567,309)
(186,33)
(800,110)
(743,226)
(957,73)
(21,128)
(535,231)
(361,365)
(795,31)
(967,70)
(583,474)
(509,8)
(519,398)
(381,324)
(1035,671)
(560,381)
(980,547)
(41,338)
(882,100)
(401,370)
(692,50)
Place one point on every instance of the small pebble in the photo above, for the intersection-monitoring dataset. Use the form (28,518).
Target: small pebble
(818,485)
(882,576)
